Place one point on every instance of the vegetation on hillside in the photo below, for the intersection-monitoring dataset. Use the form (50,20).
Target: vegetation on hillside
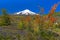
(29,27)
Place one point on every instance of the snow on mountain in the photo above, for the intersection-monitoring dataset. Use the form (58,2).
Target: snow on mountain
(26,12)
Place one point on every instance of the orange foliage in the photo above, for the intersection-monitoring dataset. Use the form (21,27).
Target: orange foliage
(52,19)
(52,10)
(28,18)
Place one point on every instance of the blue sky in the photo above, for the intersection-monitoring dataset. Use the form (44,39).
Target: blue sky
(17,5)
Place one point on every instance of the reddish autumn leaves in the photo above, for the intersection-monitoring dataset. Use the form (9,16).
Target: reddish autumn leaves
(52,19)
(52,10)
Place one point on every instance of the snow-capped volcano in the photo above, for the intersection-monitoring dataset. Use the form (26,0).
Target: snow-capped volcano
(26,12)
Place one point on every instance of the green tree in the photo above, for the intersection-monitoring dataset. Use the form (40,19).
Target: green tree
(5,18)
